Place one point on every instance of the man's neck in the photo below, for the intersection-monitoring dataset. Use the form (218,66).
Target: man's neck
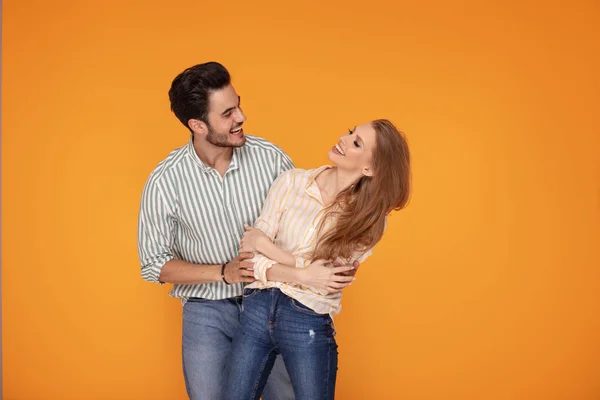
(213,156)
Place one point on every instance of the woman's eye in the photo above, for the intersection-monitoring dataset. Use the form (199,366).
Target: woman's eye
(356,143)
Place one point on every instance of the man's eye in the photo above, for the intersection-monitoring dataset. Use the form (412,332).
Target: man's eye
(356,143)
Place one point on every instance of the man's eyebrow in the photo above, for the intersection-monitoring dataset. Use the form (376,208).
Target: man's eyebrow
(232,108)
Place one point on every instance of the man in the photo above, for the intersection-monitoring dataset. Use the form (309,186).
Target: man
(193,211)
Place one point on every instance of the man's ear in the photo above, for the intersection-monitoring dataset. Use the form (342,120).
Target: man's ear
(198,126)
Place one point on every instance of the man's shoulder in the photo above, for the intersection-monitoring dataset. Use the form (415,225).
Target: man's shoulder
(255,143)
(174,158)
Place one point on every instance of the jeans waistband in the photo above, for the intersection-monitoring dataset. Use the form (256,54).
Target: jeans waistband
(235,298)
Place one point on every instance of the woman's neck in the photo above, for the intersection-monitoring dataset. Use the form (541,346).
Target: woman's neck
(332,181)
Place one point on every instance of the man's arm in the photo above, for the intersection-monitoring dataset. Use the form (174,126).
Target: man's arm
(156,235)
(182,272)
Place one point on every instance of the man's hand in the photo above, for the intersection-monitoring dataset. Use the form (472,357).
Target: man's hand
(325,277)
(239,270)
(351,272)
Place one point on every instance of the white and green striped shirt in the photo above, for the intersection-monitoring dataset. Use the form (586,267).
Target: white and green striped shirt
(189,212)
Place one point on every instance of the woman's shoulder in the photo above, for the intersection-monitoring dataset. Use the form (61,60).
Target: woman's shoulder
(308,172)
(300,176)
(291,173)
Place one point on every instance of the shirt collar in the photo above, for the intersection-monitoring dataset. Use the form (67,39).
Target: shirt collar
(311,186)
(314,173)
(233,165)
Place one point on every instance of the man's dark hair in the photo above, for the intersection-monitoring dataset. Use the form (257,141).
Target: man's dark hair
(190,90)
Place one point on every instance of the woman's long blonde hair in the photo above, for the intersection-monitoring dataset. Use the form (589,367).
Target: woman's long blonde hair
(359,211)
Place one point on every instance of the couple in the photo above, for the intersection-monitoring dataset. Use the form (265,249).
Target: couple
(196,214)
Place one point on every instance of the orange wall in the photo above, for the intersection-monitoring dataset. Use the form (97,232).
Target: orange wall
(487,287)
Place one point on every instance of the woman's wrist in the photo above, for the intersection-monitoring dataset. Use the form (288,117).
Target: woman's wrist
(299,276)
(264,245)
(260,246)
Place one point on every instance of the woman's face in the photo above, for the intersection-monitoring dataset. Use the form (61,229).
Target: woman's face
(354,151)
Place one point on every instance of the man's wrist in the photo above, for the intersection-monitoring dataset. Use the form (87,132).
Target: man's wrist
(223,274)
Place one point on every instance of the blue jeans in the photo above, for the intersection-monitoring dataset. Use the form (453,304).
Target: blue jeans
(209,327)
(272,324)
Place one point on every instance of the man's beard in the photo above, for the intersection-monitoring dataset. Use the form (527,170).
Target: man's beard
(220,139)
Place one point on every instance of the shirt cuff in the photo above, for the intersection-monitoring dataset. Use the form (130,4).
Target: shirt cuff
(302,262)
(151,271)
(261,265)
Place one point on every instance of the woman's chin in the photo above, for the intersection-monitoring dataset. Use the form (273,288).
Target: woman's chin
(332,157)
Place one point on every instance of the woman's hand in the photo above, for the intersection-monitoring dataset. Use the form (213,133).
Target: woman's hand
(324,276)
(253,240)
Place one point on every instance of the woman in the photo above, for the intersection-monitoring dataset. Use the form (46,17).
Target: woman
(310,219)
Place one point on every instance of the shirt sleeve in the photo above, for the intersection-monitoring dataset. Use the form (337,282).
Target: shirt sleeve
(269,220)
(261,266)
(156,233)
(302,261)
(274,206)
(285,164)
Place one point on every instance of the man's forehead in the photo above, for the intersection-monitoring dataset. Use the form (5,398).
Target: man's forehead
(223,97)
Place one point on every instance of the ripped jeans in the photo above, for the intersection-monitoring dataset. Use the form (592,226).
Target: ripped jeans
(273,323)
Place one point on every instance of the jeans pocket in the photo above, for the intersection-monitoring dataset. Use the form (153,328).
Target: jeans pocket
(298,306)
(197,300)
(249,293)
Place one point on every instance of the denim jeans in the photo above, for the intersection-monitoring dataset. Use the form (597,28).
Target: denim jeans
(272,324)
(209,327)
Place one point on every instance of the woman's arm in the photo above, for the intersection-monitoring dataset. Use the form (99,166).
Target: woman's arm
(275,205)
(270,217)
(273,252)
(254,240)
(320,274)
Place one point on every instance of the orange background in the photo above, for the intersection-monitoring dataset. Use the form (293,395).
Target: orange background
(486,287)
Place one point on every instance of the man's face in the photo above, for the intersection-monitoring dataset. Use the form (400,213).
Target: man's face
(225,119)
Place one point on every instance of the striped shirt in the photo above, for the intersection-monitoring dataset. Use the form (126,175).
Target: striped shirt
(291,217)
(189,212)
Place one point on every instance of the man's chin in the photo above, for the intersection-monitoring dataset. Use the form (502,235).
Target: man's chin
(238,141)
(229,142)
